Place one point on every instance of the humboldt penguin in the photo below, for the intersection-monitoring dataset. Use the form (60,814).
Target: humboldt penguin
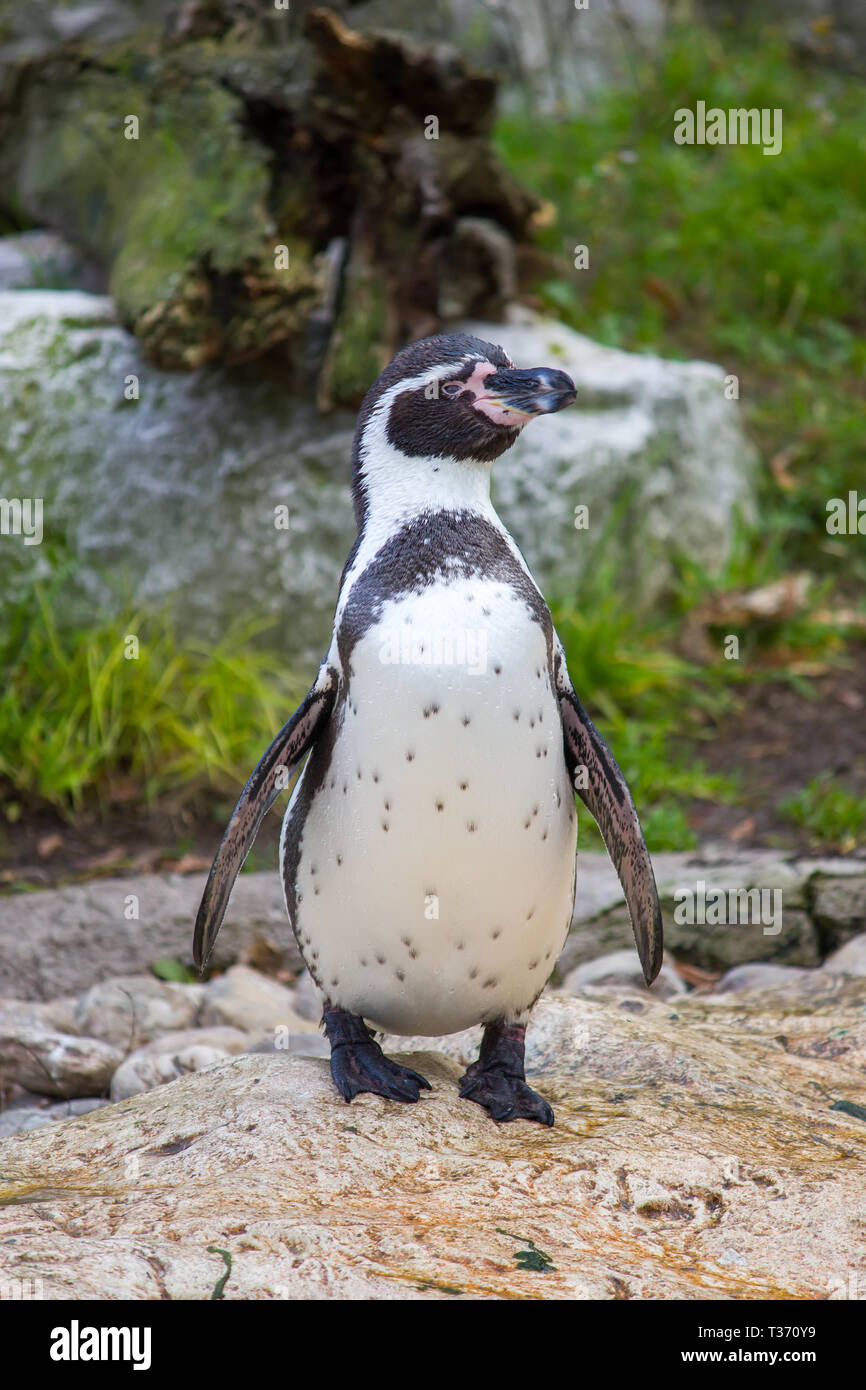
(428,849)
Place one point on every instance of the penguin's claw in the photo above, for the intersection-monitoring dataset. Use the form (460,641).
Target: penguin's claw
(363,1066)
(504,1097)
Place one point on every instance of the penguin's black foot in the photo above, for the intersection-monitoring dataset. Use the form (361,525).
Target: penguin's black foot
(497,1080)
(359,1064)
(504,1097)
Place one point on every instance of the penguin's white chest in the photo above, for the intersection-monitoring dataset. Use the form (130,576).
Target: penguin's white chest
(435,880)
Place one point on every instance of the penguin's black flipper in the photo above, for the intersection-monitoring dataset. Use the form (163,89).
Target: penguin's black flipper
(271,776)
(607,798)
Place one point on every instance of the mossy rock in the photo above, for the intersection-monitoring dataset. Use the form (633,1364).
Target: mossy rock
(150,167)
(211,165)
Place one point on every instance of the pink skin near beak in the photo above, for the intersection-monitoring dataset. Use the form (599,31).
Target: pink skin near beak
(483,403)
(511,397)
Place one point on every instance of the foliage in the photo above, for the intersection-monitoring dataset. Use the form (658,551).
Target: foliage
(721,251)
(832,815)
(81,721)
(754,261)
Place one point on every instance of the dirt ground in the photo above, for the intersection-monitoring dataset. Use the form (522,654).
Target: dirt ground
(779,741)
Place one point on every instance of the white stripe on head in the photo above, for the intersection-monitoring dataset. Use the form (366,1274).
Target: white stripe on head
(396,493)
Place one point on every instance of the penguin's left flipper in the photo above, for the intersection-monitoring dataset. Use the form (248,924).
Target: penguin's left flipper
(271,776)
(604,792)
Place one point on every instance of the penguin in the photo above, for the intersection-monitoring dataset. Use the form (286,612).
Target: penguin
(428,851)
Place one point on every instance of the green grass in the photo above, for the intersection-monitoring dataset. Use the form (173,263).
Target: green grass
(655,707)
(834,818)
(83,724)
(754,262)
(721,252)
(644,699)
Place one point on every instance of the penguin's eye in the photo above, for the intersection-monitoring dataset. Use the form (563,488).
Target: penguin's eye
(452,388)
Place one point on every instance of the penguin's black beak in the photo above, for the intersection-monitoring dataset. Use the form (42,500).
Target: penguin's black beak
(526,393)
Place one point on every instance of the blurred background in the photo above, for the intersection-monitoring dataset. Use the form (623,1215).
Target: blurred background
(219,220)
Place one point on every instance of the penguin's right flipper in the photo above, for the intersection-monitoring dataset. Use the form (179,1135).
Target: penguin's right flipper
(271,776)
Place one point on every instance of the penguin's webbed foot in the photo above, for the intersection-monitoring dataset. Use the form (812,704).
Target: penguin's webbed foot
(358,1067)
(359,1064)
(504,1097)
(497,1080)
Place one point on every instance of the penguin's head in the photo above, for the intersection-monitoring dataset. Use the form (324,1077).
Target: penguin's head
(443,409)
(458,397)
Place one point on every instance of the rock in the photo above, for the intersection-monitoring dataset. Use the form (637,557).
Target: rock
(307,997)
(69,1109)
(850,959)
(136,1008)
(695,1156)
(775,926)
(245,999)
(597,888)
(832,867)
(62,1015)
(203,458)
(59,941)
(62,940)
(619,969)
(173,1055)
(55,1064)
(29,31)
(779,978)
(101,462)
(719,947)
(839,905)
(58,1015)
(19,1118)
(214,250)
(37,259)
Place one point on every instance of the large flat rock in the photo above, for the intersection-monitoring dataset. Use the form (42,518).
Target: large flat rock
(696,1154)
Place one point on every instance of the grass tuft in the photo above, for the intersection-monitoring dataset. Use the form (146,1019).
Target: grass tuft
(84,721)
(834,818)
